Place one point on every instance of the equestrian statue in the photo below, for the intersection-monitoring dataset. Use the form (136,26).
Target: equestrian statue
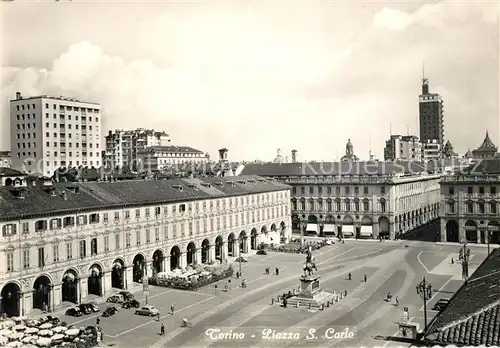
(309,266)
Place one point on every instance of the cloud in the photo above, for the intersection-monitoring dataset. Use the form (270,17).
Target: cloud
(240,82)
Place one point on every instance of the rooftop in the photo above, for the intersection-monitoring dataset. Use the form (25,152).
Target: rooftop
(487,145)
(4,171)
(334,168)
(45,199)
(473,315)
(487,166)
(60,98)
(172,149)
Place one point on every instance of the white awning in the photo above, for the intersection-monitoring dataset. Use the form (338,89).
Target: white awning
(329,228)
(348,230)
(312,227)
(366,230)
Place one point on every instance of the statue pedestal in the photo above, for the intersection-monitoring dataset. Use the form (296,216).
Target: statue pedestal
(309,286)
(310,296)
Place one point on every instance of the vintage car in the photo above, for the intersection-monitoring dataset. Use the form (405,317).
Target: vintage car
(112,310)
(147,310)
(116,298)
(74,312)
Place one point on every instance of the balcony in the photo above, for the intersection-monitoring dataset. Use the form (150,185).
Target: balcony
(470,178)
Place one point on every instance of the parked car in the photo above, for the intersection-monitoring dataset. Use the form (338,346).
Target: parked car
(116,298)
(94,307)
(441,304)
(241,259)
(132,303)
(85,308)
(127,295)
(112,310)
(74,312)
(147,310)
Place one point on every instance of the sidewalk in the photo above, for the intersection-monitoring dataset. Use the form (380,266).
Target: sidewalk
(469,245)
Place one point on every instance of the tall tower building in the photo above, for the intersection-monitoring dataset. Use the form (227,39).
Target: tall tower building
(51,132)
(430,115)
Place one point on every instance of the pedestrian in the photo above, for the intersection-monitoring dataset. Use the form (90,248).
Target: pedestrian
(159,316)
(452,262)
(172,309)
(350,276)
(277,271)
(162,330)
(364,278)
(98,321)
(215,287)
(397,301)
(225,287)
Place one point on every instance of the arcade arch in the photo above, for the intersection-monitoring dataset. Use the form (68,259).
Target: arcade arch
(69,286)
(94,280)
(11,299)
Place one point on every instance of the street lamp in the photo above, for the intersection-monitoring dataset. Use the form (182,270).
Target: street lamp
(488,235)
(302,223)
(240,242)
(464,256)
(424,289)
(321,224)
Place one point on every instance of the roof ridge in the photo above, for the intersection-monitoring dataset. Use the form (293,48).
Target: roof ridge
(476,313)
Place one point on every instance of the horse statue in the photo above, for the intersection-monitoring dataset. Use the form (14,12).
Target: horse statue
(309,267)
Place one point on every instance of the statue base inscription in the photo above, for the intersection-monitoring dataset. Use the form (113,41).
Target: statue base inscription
(309,286)
(310,295)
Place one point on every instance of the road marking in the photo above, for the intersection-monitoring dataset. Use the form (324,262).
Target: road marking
(439,250)
(420,261)
(106,303)
(163,316)
(437,292)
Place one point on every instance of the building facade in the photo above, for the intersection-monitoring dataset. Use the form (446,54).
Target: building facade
(95,238)
(123,146)
(403,148)
(432,150)
(470,204)
(431,115)
(5,159)
(161,157)
(360,200)
(52,132)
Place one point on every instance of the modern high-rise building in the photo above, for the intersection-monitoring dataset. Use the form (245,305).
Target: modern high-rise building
(123,146)
(430,115)
(52,132)
(403,148)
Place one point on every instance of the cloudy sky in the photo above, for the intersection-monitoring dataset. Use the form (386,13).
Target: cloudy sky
(257,76)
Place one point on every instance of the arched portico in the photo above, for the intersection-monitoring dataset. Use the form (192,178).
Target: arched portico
(158,259)
(471,231)
(312,227)
(219,244)
(494,231)
(205,251)
(452,231)
(94,280)
(70,286)
(348,227)
(191,253)
(384,227)
(366,228)
(175,254)
(117,274)
(139,267)
(231,245)
(42,289)
(253,239)
(11,300)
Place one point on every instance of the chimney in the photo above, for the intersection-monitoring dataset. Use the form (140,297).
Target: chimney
(294,156)
(19,96)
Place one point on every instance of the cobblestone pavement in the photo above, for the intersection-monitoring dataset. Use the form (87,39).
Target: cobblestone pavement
(244,314)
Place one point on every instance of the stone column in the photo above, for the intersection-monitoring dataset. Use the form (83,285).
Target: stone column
(392,234)
(56,296)
(225,251)
(211,253)
(183,260)
(83,288)
(197,256)
(106,283)
(128,277)
(443,230)
(26,302)
(166,264)
(149,268)
(376,230)
(246,241)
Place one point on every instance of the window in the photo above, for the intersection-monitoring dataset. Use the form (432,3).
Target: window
(40,225)
(137,213)
(157,234)
(481,207)
(174,229)
(117,241)
(83,249)
(366,205)
(493,207)
(93,247)
(26,258)
(451,207)
(481,190)
(328,205)
(9,230)
(493,190)
(117,216)
(338,206)
(69,251)
(148,236)
(182,207)
(382,190)
(383,205)
(94,218)
(356,205)
(356,190)
(470,207)
(190,227)
(55,252)
(347,190)
(10,261)
(106,243)
(105,218)
(302,191)
(347,204)
(82,220)
(41,257)
(138,237)
(311,190)
(451,190)
(470,190)
(127,214)
(365,190)
(294,190)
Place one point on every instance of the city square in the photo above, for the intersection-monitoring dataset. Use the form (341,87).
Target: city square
(395,267)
